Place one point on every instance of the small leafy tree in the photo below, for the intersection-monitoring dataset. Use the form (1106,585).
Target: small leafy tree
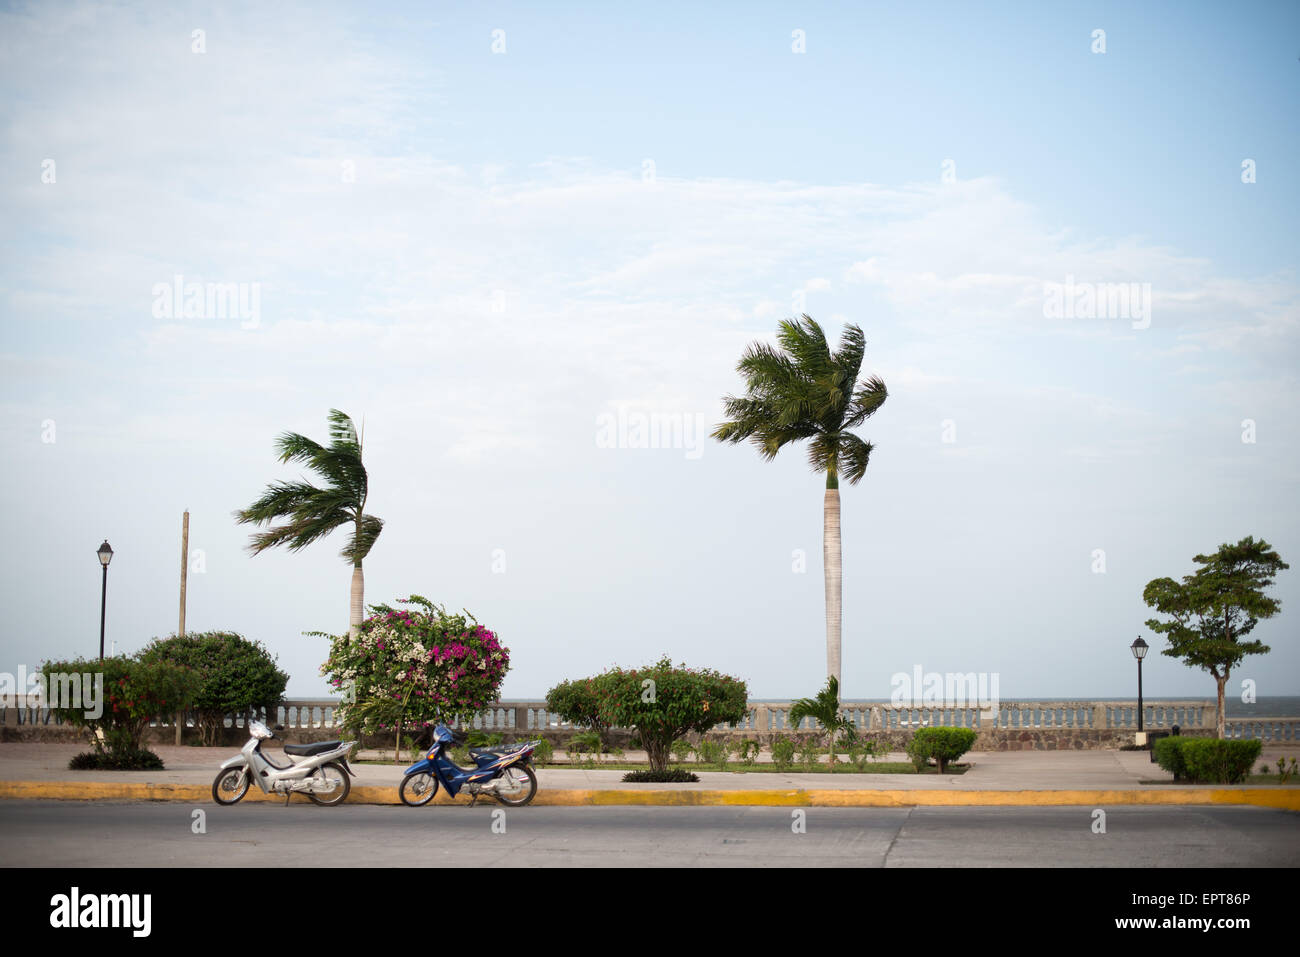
(575,702)
(134,692)
(415,668)
(663,703)
(1216,607)
(236,676)
(825,710)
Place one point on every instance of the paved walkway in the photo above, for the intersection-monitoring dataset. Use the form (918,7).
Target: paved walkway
(998,771)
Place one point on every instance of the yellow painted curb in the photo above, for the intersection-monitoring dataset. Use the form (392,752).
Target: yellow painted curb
(1283,798)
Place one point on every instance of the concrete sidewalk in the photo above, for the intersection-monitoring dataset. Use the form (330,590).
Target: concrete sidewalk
(32,770)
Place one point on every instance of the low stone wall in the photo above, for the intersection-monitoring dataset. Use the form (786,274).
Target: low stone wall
(1010,726)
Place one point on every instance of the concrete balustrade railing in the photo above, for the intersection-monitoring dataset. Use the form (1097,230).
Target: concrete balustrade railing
(772,717)
(1010,724)
(1273,730)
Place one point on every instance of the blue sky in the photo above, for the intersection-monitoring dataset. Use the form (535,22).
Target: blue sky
(465,247)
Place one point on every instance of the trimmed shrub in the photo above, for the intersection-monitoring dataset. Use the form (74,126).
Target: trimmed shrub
(236,676)
(944,745)
(1169,755)
(141,760)
(668,776)
(1207,760)
(681,749)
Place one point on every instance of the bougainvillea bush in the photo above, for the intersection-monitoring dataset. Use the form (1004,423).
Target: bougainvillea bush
(413,667)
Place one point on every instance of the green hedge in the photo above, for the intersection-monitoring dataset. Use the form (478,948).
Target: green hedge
(941,744)
(1207,760)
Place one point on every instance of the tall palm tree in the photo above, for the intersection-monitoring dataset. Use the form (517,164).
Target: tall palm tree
(311,512)
(803,390)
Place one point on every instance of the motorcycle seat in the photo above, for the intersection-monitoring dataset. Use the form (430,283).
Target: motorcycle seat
(495,751)
(307,750)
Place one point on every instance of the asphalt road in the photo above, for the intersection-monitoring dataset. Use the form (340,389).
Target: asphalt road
(161,834)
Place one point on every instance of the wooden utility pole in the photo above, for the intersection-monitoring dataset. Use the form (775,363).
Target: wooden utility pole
(180,631)
(185,565)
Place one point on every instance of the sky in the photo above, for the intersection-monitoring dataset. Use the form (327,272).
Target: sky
(489,230)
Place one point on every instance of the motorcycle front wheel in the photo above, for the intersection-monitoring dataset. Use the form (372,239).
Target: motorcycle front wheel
(418,789)
(334,774)
(231,785)
(518,785)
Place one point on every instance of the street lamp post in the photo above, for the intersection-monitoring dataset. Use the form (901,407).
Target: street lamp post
(105,554)
(1139,649)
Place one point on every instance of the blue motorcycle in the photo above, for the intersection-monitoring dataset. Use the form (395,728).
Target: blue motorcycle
(505,772)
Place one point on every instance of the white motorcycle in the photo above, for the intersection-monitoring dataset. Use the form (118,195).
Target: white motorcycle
(318,770)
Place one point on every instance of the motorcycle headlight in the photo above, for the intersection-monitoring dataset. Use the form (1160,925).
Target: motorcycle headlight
(259,730)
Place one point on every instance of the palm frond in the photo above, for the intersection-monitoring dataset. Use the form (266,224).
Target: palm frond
(848,357)
(293,447)
(280,498)
(871,395)
(300,531)
(360,543)
(343,431)
(854,455)
(805,342)
(824,452)
(825,708)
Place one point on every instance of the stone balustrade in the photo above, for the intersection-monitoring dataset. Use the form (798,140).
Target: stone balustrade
(1010,725)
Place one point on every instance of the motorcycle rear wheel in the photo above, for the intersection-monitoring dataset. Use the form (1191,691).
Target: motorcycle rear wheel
(524,781)
(327,772)
(418,789)
(227,783)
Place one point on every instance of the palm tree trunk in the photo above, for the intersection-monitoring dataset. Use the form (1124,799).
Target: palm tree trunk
(358,601)
(834,578)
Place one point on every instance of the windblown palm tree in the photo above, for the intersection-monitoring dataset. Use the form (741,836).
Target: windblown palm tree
(311,512)
(804,391)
